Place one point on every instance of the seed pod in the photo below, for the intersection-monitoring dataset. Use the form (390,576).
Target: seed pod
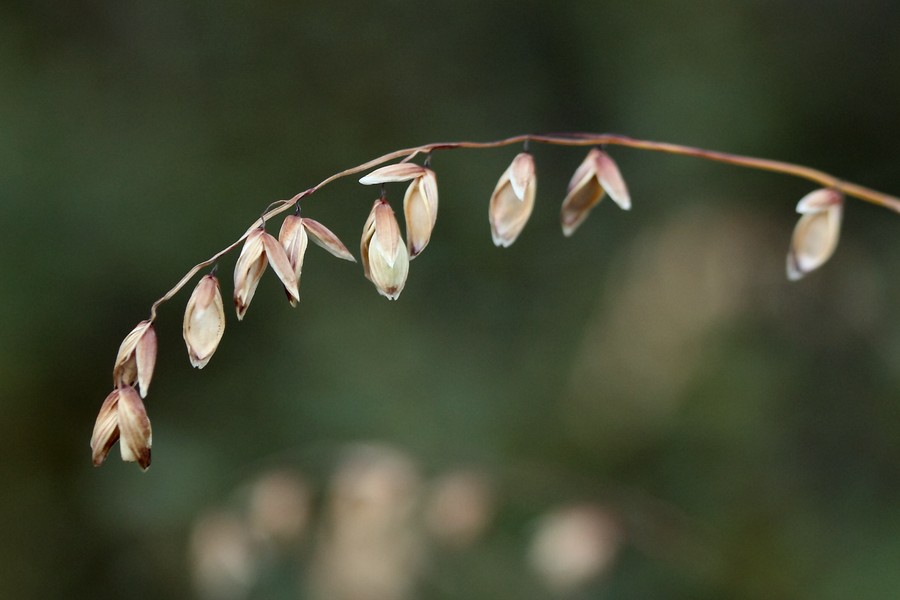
(384,255)
(817,232)
(204,321)
(513,200)
(596,175)
(137,358)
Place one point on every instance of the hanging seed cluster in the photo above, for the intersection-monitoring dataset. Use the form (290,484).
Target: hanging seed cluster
(385,255)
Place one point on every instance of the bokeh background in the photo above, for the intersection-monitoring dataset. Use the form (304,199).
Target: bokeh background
(645,410)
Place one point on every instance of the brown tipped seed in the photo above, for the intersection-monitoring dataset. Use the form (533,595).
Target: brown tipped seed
(134,428)
(280,263)
(817,232)
(324,238)
(513,200)
(384,255)
(261,249)
(248,270)
(106,429)
(204,321)
(596,175)
(294,240)
(137,358)
(420,206)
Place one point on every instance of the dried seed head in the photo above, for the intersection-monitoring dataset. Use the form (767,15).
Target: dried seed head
(324,238)
(204,321)
(294,240)
(137,358)
(122,417)
(248,270)
(261,249)
(134,428)
(106,428)
(420,208)
(596,175)
(420,203)
(280,263)
(513,200)
(384,255)
(816,233)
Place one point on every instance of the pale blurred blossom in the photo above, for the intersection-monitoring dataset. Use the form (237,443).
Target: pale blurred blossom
(279,507)
(223,566)
(370,549)
(574,545)
(459,508)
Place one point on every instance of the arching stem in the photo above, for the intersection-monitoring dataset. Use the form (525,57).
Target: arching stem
(558,139)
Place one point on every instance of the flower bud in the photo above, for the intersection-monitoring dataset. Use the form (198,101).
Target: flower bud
(259,250)
(204,321)
(816,233)
(597,174)
(384,255)
(136,358)
(513,200)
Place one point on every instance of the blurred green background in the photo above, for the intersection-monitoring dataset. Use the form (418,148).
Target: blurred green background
(719,432)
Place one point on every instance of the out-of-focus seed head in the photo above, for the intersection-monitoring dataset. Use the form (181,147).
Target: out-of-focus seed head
(420,207)
(596,175)
(384,255)
(204,321)
(224,560)
(513,200)
(279,507)
(106,429)
(574,545)
(134,428)
(136,358)
(817,232)
(459,508)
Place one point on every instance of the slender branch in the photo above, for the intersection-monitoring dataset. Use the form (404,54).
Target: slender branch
(559,139)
